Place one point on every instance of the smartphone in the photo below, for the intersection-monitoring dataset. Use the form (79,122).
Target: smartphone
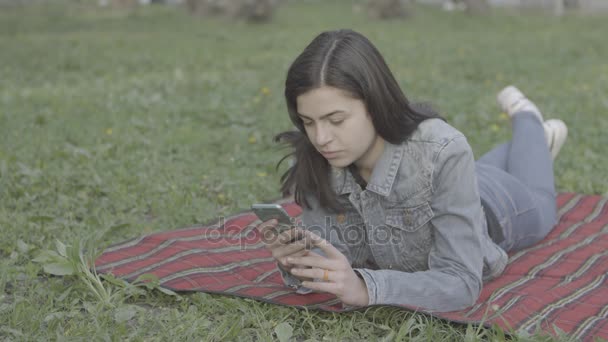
(267,212)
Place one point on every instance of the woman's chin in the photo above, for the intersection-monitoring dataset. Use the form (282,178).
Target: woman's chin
(338,162)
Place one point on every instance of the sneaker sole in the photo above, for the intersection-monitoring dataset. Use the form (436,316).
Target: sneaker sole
(556,133)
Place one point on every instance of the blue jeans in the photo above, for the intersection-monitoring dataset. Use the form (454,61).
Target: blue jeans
(517,187)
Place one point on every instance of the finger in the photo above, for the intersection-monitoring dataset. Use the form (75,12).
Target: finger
(266,225)
(313,273)
(320,286)
(288,250)
(312,254)
(298,254)
(291,235)
(273,239)
(267,230)
(317,241)
(313,261)
(283,260)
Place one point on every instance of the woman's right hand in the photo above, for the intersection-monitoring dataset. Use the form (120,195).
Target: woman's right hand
(282,245)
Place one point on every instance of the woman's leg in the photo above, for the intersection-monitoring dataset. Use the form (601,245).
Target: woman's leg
(497,157)
(529,153)
(523,195)
(530,162)
(516,185)
(529,159)
(513,212)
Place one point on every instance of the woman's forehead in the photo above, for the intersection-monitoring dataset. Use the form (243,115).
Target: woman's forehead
(324,100)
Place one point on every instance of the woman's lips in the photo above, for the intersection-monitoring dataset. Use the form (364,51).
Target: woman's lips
(330,155)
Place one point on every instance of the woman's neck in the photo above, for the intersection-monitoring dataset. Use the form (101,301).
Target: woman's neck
(365,164)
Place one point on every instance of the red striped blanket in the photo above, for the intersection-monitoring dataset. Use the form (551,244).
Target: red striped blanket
(560,282)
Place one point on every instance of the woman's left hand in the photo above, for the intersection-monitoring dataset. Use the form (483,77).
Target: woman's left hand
(333,273)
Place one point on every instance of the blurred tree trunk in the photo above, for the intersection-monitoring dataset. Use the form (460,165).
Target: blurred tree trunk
(477,6)
(558,7)
(386,9)
(571,4)
(122,4)
(256,10)
(250,10)
(191,6)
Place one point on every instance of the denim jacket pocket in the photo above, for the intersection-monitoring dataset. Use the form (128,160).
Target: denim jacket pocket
(409,219)
(411,237)
(351,233)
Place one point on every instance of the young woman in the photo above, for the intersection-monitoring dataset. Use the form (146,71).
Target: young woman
(395,208)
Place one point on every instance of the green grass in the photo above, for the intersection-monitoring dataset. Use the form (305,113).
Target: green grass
(113,125)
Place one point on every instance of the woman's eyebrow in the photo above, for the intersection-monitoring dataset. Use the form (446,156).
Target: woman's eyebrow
(323,116)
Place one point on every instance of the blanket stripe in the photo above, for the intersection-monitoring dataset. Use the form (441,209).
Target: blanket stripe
(562,281)
(528,281)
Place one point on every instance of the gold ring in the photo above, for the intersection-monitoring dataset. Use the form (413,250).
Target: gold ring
(326,275)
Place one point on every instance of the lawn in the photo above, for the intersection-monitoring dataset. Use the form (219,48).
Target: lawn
(117,124)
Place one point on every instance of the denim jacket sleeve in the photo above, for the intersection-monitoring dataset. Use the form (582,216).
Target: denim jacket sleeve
(453,280)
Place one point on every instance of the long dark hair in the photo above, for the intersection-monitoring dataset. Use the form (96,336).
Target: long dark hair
(346,60)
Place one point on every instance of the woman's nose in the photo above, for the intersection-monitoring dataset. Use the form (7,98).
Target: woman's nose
(323,135)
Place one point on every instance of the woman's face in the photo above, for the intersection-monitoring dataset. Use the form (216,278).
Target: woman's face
(340,127)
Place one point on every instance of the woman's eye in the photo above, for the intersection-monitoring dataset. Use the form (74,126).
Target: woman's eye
(307,123)
(336,122)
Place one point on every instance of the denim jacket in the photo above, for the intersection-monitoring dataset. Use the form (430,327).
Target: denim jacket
(417,234)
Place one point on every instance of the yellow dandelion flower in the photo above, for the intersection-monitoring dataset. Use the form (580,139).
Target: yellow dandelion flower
(221,196)
(252,139)
(262,174)
(109,131)
(504,116)
(265,91)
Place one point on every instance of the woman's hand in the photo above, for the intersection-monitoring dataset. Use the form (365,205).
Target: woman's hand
(281,245)
(334,271)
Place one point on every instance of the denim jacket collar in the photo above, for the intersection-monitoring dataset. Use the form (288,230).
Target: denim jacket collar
(383,175)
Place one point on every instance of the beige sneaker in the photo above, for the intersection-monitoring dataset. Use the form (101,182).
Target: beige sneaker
(556,133)
(511,100)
